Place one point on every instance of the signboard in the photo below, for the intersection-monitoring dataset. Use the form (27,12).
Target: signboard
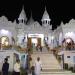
(35,35)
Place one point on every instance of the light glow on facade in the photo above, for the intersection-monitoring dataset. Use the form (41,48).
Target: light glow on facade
(3,31)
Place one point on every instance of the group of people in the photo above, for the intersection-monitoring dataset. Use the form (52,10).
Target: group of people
(34,69)
(5,67)
(39,48)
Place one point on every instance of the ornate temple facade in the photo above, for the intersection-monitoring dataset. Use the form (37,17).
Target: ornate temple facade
(26,31)
(30,32)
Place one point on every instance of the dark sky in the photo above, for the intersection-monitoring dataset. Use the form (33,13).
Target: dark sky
(58,11)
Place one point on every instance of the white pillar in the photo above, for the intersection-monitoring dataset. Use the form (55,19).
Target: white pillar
(1,47)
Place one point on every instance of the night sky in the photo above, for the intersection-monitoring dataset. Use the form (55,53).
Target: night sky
(58,11)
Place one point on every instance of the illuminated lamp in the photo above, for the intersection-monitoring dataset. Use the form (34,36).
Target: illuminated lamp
(52,37)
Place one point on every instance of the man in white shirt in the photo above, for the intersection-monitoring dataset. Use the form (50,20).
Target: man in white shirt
(38,66)
(17,68)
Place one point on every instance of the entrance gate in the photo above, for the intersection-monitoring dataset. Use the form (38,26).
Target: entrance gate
(29,43)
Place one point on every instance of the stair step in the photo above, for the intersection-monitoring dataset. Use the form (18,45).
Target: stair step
(50,65)
(57,72)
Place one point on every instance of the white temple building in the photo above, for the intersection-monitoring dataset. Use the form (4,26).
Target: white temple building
(24,32)
(29,32)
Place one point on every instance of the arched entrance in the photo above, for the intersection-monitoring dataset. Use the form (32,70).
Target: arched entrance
(35,42)
(68,43)
(4,42)
(37,39)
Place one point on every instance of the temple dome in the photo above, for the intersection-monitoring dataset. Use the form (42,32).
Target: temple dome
(22,15)
(45,15)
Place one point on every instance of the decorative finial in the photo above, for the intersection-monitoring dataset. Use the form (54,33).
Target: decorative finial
(23,7)
(31,14)
(45,8)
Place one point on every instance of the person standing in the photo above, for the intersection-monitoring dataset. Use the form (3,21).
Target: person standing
(31,67)
(5,67)
(38,66)
(41,48)
(17,67)
(30,64)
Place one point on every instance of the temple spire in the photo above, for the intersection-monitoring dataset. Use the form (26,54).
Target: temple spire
(22,17)
(31,20)
(45,18)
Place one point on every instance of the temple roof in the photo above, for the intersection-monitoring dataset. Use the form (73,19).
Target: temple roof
(22,15)
(45,15)
(30,21)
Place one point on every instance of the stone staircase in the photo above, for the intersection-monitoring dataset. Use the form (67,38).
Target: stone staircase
(50,64)
(48,60)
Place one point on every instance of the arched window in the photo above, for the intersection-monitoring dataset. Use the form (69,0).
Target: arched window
(46,21)
(69,43)
(22,20)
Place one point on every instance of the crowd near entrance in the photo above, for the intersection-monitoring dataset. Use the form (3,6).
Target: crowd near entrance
(34,42)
